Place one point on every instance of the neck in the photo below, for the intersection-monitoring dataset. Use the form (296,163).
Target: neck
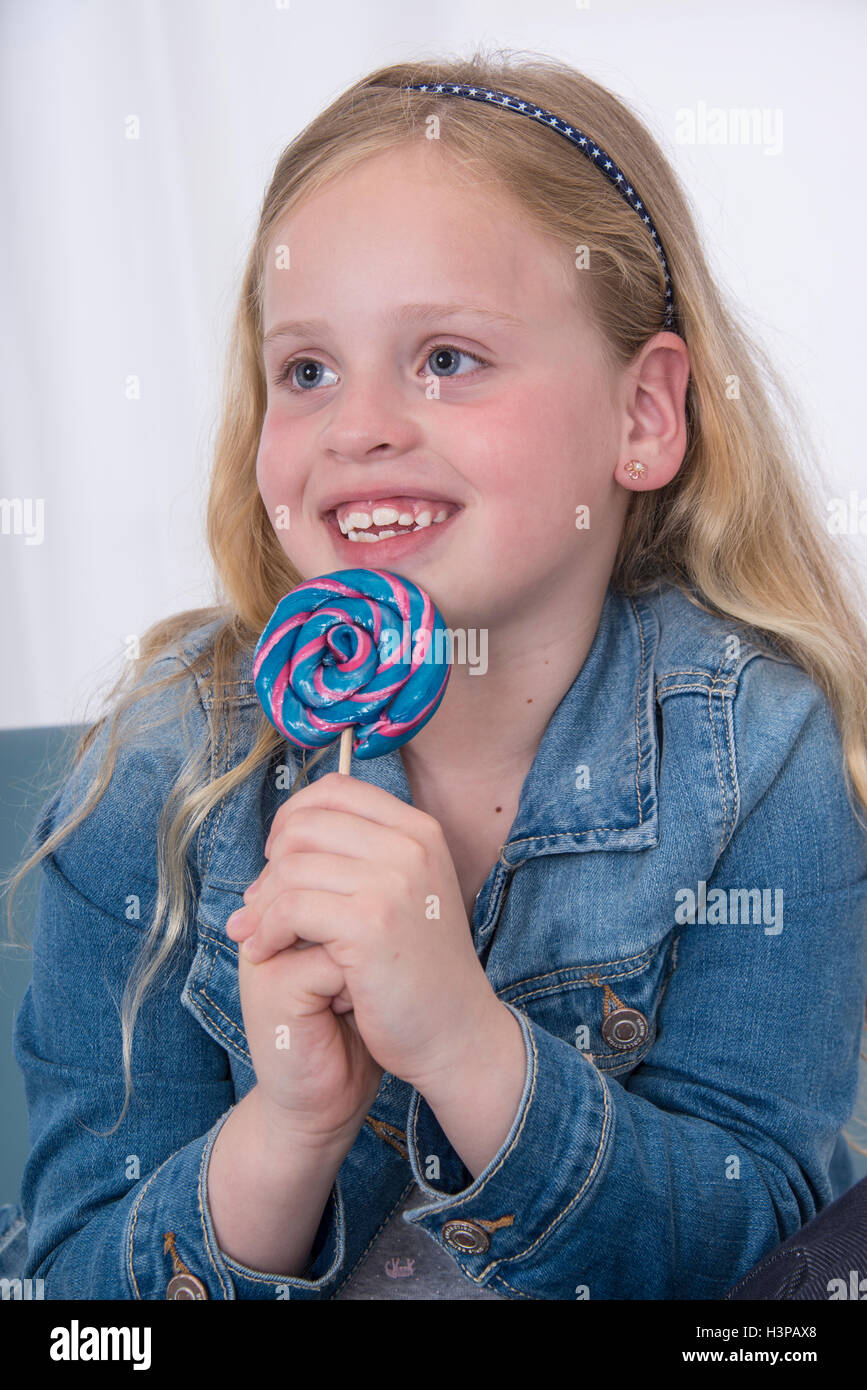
(487,725)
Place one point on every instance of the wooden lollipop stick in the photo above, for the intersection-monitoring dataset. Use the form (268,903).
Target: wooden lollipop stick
(345,751)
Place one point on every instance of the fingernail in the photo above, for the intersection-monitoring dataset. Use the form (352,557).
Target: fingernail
(249,948)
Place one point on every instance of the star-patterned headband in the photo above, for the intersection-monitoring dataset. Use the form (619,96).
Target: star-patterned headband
(581,141)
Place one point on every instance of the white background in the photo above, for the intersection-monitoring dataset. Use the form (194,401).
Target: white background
(122,257)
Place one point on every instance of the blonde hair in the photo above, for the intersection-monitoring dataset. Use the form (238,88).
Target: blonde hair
(737,528)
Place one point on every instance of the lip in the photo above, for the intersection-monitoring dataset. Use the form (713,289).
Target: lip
(394,546)
(377,494)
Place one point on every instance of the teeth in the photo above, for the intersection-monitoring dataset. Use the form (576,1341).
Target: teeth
(356,525)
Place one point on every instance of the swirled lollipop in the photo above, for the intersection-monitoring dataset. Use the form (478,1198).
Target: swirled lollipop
(354,650)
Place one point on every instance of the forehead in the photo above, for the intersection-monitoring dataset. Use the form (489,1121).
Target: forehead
(413,223)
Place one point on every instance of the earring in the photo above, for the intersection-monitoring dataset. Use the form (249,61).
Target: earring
(635,468)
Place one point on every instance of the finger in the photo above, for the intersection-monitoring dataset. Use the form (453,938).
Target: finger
(324,872)
(302,914)
(336,792)
(336,832)
(307,979)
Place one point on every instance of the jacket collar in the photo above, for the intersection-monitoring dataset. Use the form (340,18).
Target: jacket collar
(593,782)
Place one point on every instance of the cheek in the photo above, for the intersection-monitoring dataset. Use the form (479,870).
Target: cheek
(273,472)
(540,452)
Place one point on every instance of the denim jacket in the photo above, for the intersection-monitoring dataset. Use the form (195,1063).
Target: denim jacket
(676,920)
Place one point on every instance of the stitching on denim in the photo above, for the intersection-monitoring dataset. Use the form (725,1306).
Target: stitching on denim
(719,777)
(129,1245)
(230,1042)
(501,883)
(561,988)
(519,1293)
(612,1063)
(216,938)
(593,979)
(226,1016)
(726,804)
(134,1218)
(203,993)
(728,724)
(722,689)
(596,1160)
(218,819)
(638,691)
(713,676)
(207,980)
(566,835)
(520,1126)
(205,1236)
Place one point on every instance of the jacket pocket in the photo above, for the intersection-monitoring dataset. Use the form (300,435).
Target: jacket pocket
(608,1009)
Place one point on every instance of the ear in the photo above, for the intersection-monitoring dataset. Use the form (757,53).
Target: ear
(654,412)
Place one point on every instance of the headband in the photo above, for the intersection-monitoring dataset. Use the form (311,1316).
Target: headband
(581,141)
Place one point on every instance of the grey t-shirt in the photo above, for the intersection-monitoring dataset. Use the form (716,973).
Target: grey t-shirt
(404,1262)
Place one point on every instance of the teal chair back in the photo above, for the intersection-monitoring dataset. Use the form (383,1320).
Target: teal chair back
(33,762)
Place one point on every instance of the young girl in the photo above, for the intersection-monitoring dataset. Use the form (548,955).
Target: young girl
(563,998)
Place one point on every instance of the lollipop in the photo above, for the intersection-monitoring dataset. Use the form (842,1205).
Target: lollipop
(354,650)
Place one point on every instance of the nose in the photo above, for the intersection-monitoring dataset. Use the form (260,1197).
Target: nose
(372,412)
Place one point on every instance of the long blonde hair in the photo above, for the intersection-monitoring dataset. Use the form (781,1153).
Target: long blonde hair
(738,528)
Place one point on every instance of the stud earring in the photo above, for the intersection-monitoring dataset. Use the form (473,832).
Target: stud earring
(635,468)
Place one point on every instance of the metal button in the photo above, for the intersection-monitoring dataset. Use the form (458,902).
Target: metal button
(466,1236)
(624,1029)
(186,1286)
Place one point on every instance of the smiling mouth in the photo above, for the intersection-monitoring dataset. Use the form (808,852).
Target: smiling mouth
(387,518)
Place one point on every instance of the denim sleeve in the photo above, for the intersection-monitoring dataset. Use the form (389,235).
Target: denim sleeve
(718,1146)
(108,1207)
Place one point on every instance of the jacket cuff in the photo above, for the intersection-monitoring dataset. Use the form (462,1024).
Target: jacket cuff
(551,1159)
(172,1250)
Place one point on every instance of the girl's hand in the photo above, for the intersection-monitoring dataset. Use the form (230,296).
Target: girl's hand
(312,1067)
(371,881)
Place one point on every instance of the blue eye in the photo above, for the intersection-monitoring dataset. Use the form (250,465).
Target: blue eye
(311,365)
(287,367)
(454,352)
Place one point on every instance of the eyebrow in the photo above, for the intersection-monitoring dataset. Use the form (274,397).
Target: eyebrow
(406,313)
